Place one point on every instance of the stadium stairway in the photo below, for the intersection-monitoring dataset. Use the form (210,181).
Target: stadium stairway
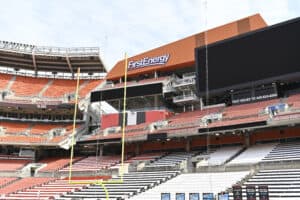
(10,83)
(45,88)
(134,183)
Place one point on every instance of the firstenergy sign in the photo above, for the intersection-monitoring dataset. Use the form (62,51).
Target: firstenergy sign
(144,62)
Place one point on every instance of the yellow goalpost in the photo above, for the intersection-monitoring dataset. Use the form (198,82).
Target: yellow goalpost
(100,182)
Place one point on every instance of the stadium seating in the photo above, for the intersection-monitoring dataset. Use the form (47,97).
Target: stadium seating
(12,165)
(221,155)
(47,190)
(14,127)
(253,154)
(88,87)
(16,132)
(93,163)
(20,139)
(188,119)
(28,86)
(193,183)
(145,157)
(237,121)
(4,80)
(60,87)
(294,100)
(289,151)
(282,183)
(40,129)
(22,86)
(6,180)
(56,163)
(169,161)
(250,109)
(23,184)
(134,183)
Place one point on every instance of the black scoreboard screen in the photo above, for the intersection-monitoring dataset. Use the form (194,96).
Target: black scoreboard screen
(258,57)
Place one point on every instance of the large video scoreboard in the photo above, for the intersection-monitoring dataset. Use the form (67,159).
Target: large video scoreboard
(264,56)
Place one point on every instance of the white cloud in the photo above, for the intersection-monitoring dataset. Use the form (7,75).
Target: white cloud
(118,26)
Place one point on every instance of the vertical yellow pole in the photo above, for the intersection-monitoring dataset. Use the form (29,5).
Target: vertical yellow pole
(74,125)
(124,116)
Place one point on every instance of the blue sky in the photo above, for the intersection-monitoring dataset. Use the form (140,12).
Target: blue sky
(132,26)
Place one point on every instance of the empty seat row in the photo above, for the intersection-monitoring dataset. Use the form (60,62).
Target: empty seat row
(193,183)
(283,184)
(253,154)
(53,88)
(133,183)
(284,152)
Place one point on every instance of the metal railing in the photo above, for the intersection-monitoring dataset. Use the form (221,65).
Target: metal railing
(185,97)
(48,51)
(29,73)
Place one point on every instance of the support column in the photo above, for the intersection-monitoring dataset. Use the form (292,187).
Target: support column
(101,150)
(155,74)
(247,138)
(188,145)
(137,149)
(155,101)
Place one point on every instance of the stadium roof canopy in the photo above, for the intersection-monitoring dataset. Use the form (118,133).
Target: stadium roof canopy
(53,59)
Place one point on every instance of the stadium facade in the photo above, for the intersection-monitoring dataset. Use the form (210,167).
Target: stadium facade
(216,113)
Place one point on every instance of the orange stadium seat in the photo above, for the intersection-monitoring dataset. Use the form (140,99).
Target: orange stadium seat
(294,100)
(45,191)
(60,87)
(4,79)
(21,139)
(6,180)
(92,84)
(247,109)
(12,165)
(93,163)
(14,127)
(28,86)
(55,164)
(43,128)
(23,184)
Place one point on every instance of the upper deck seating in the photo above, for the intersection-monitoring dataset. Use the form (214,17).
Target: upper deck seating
(294,100)
(60,87)
(91,85)
(4,80)
(26,133)
(14,127)
(247,109)
(44,128)
(28,86)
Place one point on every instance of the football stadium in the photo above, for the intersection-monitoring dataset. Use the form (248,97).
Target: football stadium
(214,115)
